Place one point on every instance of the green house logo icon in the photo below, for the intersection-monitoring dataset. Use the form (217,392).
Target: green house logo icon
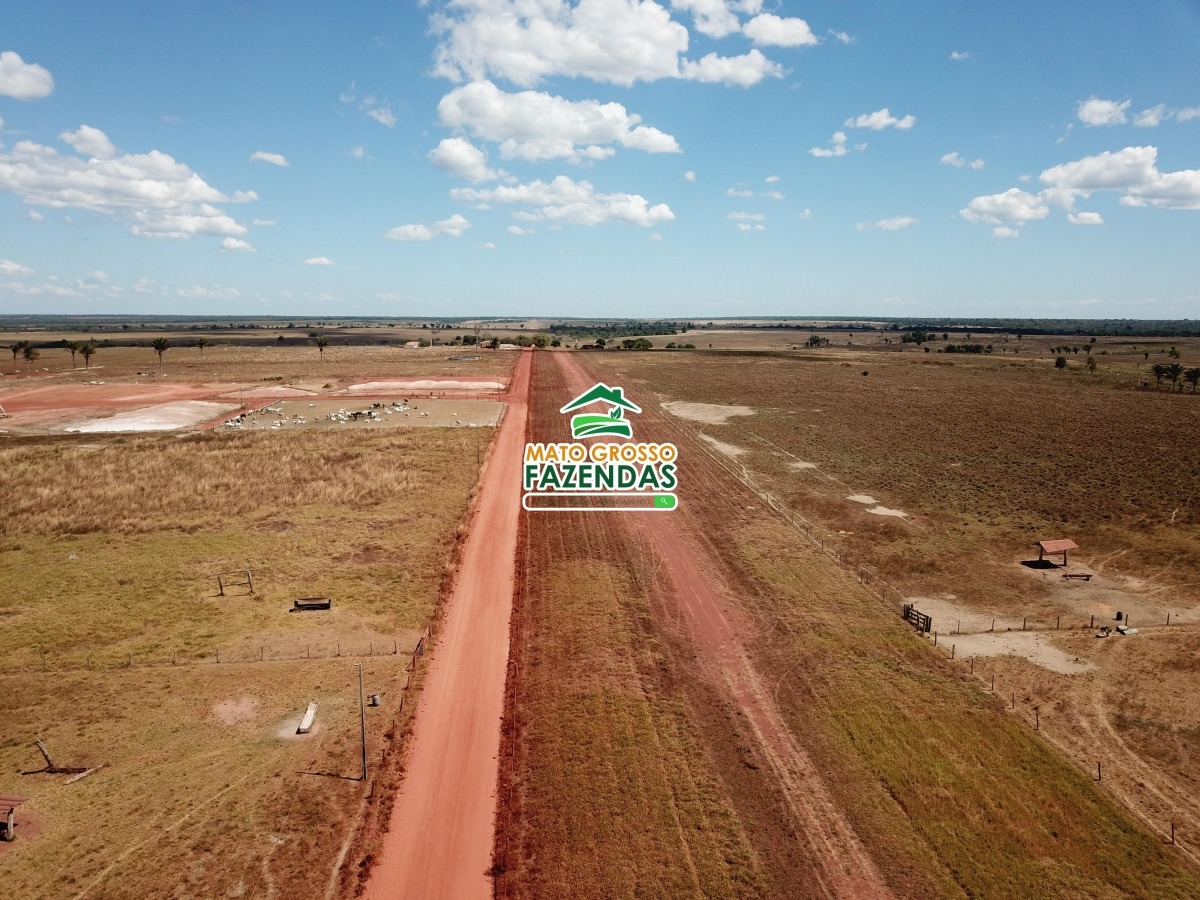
(595,424)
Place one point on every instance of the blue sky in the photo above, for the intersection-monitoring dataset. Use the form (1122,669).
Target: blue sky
(694,158)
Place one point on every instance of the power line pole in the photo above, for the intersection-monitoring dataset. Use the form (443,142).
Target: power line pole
(362,718)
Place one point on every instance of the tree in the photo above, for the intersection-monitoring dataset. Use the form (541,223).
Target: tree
(16,348)
(541,341)
(161,345)
(1091,364)
(1175,372)
(204,342)
(1159,371)
(322,342)
(31,353)
(74,346)
(1192,377)
(87,350)
(1060,362)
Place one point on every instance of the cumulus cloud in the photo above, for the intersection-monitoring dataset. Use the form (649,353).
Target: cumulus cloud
(1134,173)
(275,159)
(959,56)
(768,30)
(1186,115)
(382,114)
(238,244)
(1152,117)
(564,201)
(713,18)
(533,125)
(460,157)
(615,41)
(152,193)
(1085,218)
(517,230)
(751,226)
(89,141)
(319,261)
(837,146)
(8,267)
(1013,207)
(897,223)
(452,227)
(1003,231)
(739,192)
(1095,112)
(746,217)
(879,120)
(357,152)
(953,159)
(805,215)
(21,80)
(262,223)
(209,292)
(689,175)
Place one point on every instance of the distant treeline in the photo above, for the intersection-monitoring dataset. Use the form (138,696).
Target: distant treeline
(606,330)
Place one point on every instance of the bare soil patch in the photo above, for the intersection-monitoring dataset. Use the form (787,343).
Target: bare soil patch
(708,413)
(728,449)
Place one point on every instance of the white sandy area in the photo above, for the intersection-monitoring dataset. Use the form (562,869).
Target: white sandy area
(722,447)
(273,391)
(162,417)
(863,498)
(801,464)
(708,413)
(1035,646)
(424,385)
(884,511)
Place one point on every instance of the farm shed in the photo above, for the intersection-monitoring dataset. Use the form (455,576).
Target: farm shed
(1059,546)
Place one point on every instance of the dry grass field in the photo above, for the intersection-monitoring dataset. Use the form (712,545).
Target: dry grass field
(116,649)
(985,456)
(630,763)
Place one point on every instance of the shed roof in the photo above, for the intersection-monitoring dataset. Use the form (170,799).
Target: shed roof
(1061,546)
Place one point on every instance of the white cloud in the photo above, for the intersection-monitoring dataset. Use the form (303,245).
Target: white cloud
(1152,117)
(237,244)
(689,175)
(319,261)
(881,119)
(99,275)
(743,71)
(1095,111)
(453,226)
(563,201)
(805,215)
(34,216)
(151,192)
(21,80)
(1013,207)
(772,179)
(517,230)
(1003,231)
(1085,218)
(489,245)
(953,159)
(712,18)
(460,157)
(275,159)
(89,141)
(532,125)
(262,223)
(747,226)
(837,146)
(739,192)
(357,152)
(772,195)
(1186,115)
(768,30)
(897,223)
(209,292)
(8,267)
(746,217)
(841,37)
(383,115)
(958,56)
(1126,169)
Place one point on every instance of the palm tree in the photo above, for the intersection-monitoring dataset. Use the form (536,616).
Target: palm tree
(161,345)
(1175,372)
(1192,376)
(1159,371)
(16,348)
(74,346)
(322,342)
(202,343)
(31,353)
(86,350)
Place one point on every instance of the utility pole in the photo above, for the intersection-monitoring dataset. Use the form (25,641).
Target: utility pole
(362,718)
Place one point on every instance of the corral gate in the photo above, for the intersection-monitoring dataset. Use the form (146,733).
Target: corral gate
(919,620)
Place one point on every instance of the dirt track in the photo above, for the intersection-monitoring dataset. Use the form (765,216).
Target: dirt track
(439,843)
(708,612)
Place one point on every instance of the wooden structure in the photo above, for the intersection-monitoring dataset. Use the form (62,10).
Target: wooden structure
(306,604)
(55,769)
(227,578)
(919,620)
(1059,546)
(8,812)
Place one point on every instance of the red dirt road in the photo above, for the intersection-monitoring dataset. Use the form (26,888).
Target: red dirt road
(439,840)
(708,608)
